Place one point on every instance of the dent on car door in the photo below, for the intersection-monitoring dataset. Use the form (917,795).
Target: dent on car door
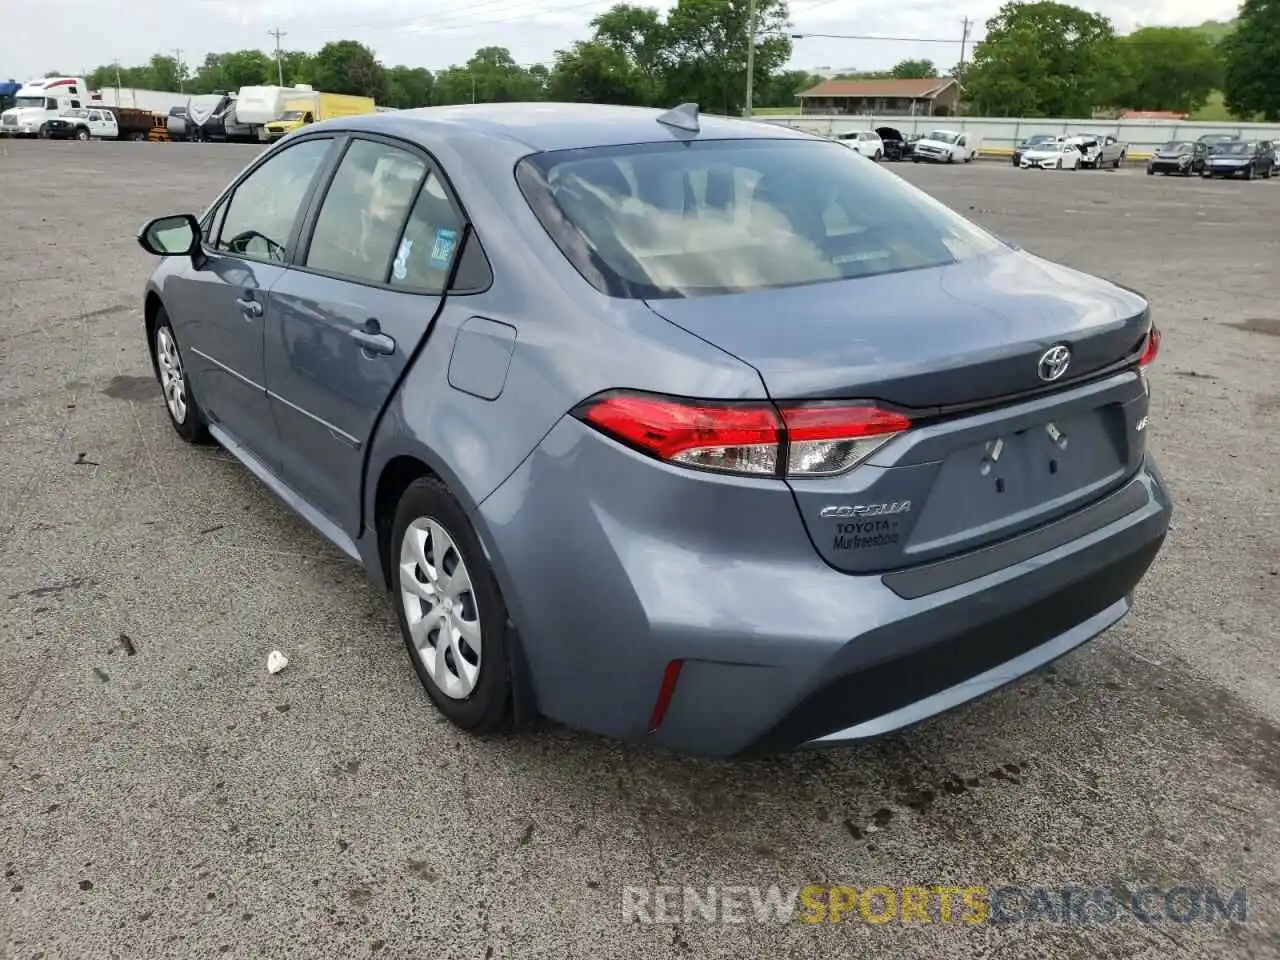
(219,306)
(345,323)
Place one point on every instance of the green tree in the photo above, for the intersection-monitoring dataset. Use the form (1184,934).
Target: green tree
(594,72)
(641,36)
(783,89)
(409,87)
(490,76)
(1169,68)
(708,50)
(1251,78)
(1044,59)
(348,66)
(298,67)
(166,73)
(914,69)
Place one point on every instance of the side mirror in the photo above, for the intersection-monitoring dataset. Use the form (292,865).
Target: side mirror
(175,236)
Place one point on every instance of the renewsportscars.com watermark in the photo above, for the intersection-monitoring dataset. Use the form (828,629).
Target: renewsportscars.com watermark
(976,904)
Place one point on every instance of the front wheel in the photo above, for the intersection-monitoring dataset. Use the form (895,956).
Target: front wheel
(878,156)
(1248,173)
(450,609)
(82,134)
(43,132)
(184,413)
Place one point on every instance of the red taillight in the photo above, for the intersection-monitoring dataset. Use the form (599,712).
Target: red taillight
(818,439)
(665,692)
(1152,348)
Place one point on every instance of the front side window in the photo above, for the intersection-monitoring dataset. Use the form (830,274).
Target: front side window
(262,210)
(359,226)
(706,217)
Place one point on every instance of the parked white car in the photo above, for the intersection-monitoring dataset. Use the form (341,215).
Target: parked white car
(866,142)
(946,146)
(1061,154)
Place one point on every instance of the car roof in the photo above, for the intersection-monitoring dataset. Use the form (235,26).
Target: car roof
(541,126)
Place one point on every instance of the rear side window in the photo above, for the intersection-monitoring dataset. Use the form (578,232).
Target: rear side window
(264,207)
(364,211)
(721,216)
(432,238)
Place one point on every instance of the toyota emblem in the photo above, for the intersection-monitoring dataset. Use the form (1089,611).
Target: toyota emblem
(1053,363)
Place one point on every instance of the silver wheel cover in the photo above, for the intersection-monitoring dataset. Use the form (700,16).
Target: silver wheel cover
(172,379)
(440,607)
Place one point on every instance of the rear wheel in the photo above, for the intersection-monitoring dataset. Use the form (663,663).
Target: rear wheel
(82,134)
(450,609)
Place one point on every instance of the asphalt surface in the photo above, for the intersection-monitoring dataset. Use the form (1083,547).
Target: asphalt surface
(162,796)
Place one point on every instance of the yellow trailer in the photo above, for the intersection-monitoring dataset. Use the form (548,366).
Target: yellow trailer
(344,105)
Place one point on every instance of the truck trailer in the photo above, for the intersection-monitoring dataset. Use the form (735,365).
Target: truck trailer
(327,106)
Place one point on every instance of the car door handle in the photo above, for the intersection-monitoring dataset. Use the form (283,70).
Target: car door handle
(251,308)
(372,340)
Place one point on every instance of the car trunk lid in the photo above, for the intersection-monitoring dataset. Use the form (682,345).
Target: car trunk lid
(994,449)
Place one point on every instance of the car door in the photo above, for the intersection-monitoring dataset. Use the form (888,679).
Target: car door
(219,307)
(345,321)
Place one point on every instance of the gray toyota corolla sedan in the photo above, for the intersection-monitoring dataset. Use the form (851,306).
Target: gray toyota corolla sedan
(663,426)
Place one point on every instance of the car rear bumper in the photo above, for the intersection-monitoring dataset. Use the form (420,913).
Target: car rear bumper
(608,582)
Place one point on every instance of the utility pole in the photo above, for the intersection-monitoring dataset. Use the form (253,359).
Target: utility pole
(177,59)
(116,64)
(964,43)
(278,33)
(751,55)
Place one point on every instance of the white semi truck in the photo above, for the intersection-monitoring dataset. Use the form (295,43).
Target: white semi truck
(39,101)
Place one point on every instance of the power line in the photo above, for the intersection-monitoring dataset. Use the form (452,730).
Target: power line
(858,36)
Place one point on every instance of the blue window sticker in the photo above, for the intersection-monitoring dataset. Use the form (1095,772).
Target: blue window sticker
(400,268)
(442,250)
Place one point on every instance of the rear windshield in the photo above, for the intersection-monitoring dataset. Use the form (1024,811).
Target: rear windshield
(690,219)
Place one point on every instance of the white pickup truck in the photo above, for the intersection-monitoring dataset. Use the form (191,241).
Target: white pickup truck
(946,146)
(85,123)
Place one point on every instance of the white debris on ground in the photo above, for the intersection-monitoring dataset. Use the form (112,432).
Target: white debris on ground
(276,661)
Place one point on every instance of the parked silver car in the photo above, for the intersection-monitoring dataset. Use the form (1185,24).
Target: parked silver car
(665,426)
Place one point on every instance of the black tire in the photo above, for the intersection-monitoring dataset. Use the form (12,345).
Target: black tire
(1150,172)
(193,428)
(43,132)
(1248,172)
(82,134)
(488,708)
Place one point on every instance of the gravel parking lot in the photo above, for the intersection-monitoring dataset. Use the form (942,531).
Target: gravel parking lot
(162,796)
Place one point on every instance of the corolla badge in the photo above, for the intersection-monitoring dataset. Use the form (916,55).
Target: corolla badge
(847,511)
(1053,363)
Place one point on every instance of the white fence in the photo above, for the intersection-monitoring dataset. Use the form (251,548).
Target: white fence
(1000,134)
